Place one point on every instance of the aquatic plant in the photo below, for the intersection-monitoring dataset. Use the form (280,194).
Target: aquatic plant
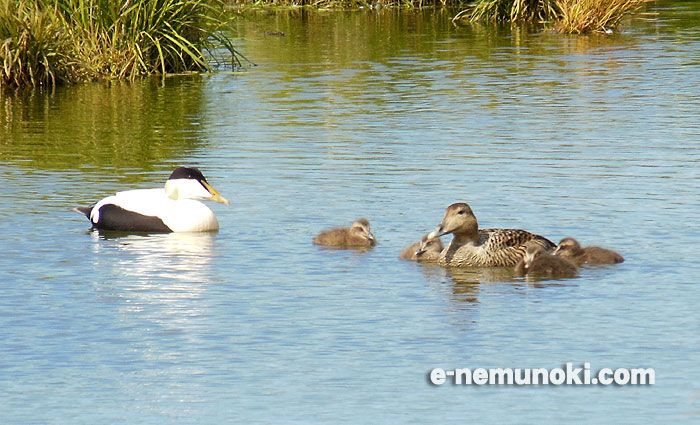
(54,41)
(348,4)
(33,46)
(510,10)
(580,16)
(570,16)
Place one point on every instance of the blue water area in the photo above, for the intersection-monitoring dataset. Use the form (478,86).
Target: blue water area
(390,116)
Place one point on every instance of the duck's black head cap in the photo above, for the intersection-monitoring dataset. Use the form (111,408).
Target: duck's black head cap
(187,173)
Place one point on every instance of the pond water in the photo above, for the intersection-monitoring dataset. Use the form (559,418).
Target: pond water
(390,116)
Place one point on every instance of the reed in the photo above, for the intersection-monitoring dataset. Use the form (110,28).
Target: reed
(33,46)
(348,4)
(569,16)
(509,10)
(581,16)
(56,41)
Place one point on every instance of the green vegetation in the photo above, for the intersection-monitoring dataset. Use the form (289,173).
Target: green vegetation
(580,16)
(48,42)
(57,41)
(568,16)
(510,10)
(350,4)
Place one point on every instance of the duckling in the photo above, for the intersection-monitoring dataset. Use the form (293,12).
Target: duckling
(538,261)
(571,249)
(471,247)
(424,250)
(359,235)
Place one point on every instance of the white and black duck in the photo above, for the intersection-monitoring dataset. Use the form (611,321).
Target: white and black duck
(173,208)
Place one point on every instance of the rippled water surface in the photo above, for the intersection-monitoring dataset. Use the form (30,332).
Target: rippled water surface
(390,116)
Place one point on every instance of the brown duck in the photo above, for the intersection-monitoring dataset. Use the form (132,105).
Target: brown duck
(471,247)
(358,235)
(570,249)
(538,261)
(424,250)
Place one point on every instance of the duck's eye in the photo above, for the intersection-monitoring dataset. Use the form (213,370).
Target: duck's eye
(461,212)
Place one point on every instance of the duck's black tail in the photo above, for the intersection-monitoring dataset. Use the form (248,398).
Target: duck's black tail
(83,210)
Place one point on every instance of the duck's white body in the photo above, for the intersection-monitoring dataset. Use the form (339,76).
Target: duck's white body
(179,215)
(174,208)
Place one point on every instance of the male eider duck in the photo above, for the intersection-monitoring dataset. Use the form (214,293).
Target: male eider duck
(570,249)
(173,209)
(359,235)
(471,247)
(538,261)
(426,249)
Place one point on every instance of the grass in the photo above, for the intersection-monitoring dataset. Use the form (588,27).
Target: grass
(510,10)
(349,4)
(32,49)
(581,16)
(567,16)
(47,42)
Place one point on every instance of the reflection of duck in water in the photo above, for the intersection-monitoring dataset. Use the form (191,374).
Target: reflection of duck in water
(537,261)
(570,249)
(472,247)
(173,209)
(426,249)
(358,235)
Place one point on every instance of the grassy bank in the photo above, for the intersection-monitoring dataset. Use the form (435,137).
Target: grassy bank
(568,16)
(350,4)
(46,42)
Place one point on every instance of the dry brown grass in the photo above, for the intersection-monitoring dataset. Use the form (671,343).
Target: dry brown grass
(582,16)
(566,16)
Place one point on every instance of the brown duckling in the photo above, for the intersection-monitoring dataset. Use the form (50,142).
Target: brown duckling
(359,235)
(472,247)
(570,249)
(426,249)
(538,261)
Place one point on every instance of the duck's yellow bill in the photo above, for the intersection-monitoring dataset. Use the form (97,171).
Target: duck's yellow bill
(215,196)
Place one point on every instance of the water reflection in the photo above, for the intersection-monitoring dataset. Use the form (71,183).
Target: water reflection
(360,37)
(465,285)
(475,275)
(105,126)
(167,257)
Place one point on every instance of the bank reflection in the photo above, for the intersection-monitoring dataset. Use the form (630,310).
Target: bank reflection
(102,128)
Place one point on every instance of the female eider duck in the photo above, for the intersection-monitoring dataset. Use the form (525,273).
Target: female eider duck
(538,261)
(471,247)
(173,209)
(570,249)
(426,249)
(359,235)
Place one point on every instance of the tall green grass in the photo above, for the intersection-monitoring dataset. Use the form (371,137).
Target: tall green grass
(33,46)
(56,41)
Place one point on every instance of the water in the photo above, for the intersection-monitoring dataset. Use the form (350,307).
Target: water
(389,116)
